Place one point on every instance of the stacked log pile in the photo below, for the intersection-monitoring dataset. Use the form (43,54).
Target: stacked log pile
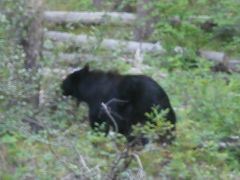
(117,18)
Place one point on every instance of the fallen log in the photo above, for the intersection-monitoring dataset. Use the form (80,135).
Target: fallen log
(234,64)
(133,46)
(71,58)
(221,58)
(76,58)
(206,23)
(88,18)
(114,18)
(212,55)
(109,44)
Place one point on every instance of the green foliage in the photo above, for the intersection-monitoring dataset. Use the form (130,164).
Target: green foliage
(206,104)
(186,32)
(70,5)
(155,128)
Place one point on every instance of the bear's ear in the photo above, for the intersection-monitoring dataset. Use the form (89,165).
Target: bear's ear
(86,68)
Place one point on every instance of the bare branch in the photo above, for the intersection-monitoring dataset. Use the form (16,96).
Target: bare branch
(116,168)
(140,171)
(106,109)
(116,100)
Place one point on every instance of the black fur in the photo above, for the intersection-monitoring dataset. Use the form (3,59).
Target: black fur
(128,97)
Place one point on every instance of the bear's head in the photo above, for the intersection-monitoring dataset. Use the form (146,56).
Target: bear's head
(71,83)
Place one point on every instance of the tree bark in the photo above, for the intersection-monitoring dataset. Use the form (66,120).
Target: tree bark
(33,41)
(145,21)
(124,6)
(97,4)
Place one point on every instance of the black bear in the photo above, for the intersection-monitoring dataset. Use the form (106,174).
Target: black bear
(126,97)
